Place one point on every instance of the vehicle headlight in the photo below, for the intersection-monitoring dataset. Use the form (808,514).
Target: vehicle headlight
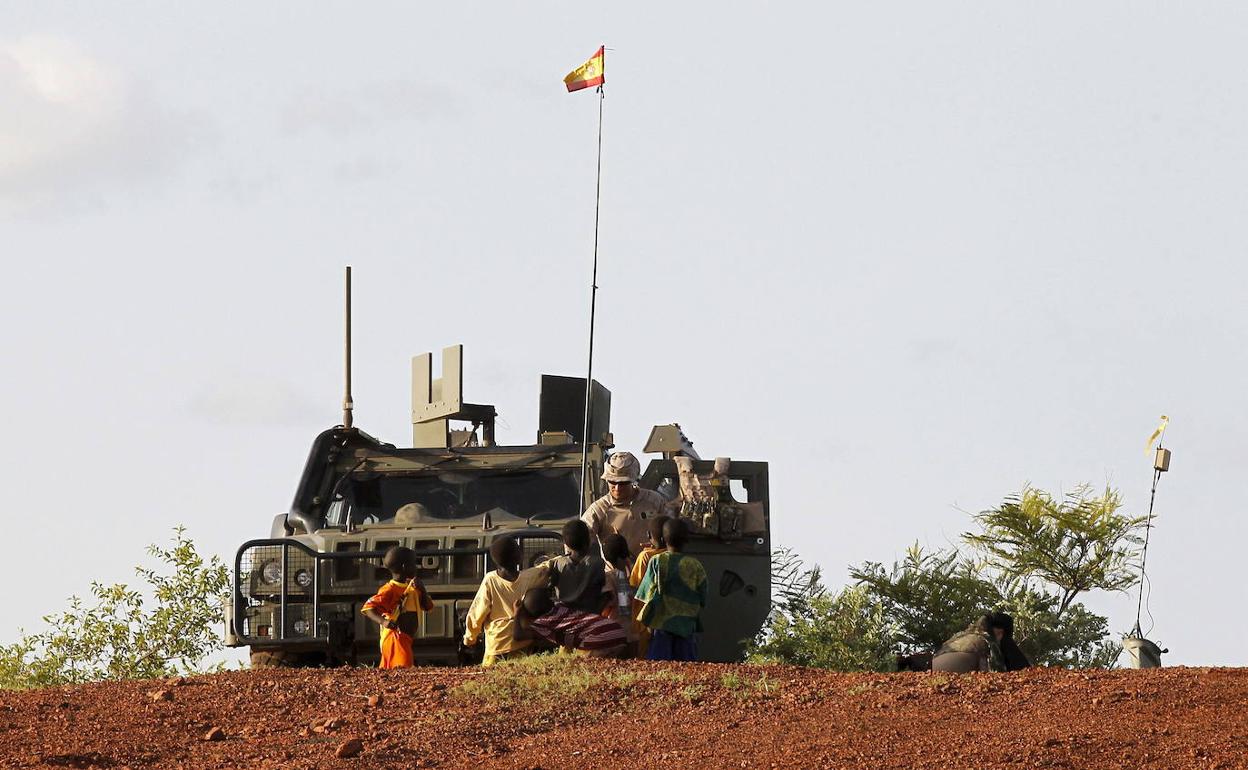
(302,627)
(271,572)
(303,578)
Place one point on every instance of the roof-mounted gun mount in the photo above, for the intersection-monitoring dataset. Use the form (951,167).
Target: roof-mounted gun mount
(436,402)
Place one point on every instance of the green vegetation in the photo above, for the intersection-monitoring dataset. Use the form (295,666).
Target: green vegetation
(746,686)
(167,629)
(844,631)
(693,693)
(552,675)
(927,596)
(1037,554)
(1077,544)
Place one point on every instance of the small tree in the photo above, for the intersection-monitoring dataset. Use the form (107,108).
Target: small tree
(121,635)
(929,596)
(845,631)
(1075,638)
(1039,555)
(812,626)
(1077,544)
(794,584)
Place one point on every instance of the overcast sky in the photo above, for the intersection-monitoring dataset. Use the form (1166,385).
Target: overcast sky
(914,255)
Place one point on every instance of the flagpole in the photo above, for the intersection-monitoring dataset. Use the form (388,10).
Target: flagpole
(593,305)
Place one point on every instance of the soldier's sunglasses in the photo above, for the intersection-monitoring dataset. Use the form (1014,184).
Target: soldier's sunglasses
(619,483)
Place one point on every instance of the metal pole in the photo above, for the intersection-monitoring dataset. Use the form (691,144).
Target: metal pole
(347,404)
(316,597)
(1148,528)
(282,614)
(593,306)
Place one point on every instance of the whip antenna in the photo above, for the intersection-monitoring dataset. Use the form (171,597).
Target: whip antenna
(1144,653)
(591,73)
(1161,464)
(593,306)
(347,404)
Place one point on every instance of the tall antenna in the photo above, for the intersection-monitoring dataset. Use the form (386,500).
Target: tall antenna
(1161,464)
(1141,652)
(593,305)
(347,404)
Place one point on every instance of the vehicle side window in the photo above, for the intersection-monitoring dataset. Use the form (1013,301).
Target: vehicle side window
(336,514)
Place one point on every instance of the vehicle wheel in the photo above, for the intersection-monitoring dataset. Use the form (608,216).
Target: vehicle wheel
(282,659)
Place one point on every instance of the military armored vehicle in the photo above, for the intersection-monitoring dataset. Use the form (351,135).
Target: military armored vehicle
(297,593)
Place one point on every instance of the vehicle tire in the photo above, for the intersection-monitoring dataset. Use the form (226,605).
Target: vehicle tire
(281,659)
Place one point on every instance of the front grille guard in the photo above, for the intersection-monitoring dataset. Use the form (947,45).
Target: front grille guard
(293,577)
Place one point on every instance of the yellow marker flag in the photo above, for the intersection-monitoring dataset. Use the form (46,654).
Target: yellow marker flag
(1157,434)
(591,73)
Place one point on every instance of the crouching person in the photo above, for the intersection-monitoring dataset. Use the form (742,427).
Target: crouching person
(540,617)
(494,607)
(975,649)
(1003,628)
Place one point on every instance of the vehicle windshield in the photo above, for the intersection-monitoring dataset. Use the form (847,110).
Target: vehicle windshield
(540,495)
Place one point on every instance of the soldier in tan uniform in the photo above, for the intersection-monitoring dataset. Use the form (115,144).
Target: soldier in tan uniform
(626,509)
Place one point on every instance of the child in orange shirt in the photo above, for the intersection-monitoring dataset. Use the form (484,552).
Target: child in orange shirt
(657,546)
(396,607)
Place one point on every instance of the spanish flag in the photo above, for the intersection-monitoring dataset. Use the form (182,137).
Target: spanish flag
(588,74)
(1157,434)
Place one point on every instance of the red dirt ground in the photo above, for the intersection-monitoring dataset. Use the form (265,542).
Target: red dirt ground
(639,714)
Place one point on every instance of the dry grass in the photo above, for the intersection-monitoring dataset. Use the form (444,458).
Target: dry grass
(555,676)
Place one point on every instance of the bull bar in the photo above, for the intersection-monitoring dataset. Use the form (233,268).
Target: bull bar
(306,579)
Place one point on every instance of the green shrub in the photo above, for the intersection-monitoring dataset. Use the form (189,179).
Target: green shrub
(845,631)
(122,633)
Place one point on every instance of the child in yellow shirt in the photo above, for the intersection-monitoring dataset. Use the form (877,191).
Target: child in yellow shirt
(493,609)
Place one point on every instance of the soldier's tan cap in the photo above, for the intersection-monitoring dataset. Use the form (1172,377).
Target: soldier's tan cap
(622,466)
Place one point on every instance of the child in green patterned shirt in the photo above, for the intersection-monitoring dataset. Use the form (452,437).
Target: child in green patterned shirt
(673,593)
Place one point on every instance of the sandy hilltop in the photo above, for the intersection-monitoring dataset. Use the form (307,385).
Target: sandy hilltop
(553,713)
